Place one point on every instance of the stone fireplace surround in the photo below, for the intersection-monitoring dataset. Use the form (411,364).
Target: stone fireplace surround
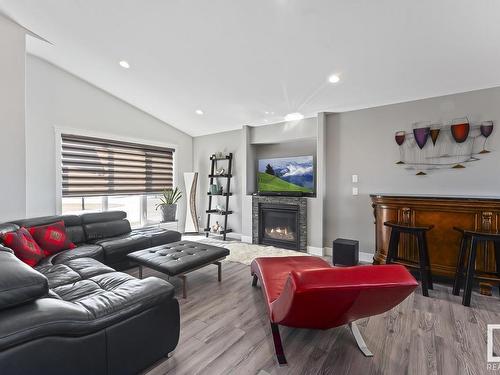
(300,202)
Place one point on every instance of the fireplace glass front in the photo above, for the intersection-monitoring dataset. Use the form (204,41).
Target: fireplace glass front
(279,226)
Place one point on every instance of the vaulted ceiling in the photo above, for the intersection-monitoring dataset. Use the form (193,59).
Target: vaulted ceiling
(253,62)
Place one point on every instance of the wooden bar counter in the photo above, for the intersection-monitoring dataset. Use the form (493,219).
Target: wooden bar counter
(444,212)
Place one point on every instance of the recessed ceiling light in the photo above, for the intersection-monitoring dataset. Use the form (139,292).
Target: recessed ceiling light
(199,112)
(333,78)
(124,64)
(294,116)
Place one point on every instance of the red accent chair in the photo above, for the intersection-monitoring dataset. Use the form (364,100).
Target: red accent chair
(306,292)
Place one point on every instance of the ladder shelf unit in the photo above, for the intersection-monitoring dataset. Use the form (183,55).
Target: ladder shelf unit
(225,180)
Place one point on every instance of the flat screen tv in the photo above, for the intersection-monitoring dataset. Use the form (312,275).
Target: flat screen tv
(292,175)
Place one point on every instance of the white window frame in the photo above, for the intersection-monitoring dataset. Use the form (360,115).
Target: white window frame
(58,131)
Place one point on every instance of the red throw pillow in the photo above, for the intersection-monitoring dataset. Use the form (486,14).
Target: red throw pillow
(52,238)
(24,246)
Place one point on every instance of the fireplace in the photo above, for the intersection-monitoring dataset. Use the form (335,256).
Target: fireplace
(279,225)
(280,221)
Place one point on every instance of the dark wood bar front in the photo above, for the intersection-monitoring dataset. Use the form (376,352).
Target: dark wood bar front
(444,212)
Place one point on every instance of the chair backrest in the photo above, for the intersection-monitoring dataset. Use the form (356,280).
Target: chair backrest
(329,297)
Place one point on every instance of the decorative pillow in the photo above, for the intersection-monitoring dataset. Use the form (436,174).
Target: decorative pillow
(52,238)
(24,246)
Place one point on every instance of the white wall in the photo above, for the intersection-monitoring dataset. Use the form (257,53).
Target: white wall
(58,99)
(205,146)
(362,142)
(12,121)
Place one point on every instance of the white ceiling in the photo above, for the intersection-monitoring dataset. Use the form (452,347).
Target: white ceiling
(238,59)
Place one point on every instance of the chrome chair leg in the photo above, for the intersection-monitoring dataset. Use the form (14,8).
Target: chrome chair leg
(359,340)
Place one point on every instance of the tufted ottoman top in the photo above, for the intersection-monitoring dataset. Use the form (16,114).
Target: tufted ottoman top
(178,257)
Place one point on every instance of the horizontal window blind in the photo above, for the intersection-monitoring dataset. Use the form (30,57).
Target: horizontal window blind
(100,167)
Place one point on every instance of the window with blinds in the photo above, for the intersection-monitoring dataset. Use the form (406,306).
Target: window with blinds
(103,167)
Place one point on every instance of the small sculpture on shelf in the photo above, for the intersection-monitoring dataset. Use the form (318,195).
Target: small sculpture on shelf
(219,171)
(217,228)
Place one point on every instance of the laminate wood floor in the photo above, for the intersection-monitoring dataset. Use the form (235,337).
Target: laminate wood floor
(225,330)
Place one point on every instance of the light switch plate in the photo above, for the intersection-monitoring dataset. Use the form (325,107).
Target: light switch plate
(354,178)
(355,191)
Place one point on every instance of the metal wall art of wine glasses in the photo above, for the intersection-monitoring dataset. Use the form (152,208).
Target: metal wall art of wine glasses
(433,146)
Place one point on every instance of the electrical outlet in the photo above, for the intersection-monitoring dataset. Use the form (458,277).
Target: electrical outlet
(355,191)
(354,178)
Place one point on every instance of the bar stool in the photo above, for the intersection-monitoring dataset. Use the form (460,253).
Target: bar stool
(468,259)
(423,264)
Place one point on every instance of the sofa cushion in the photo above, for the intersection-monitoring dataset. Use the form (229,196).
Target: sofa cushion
(99,217)
(52,238)
(83,251)
(24,246)
(103,230)
(100,289)
(158,236)
(3,248)
(76,234)
(19,283)
(72,271)
(7,227)
(58,274)
(69,220)
(116,248)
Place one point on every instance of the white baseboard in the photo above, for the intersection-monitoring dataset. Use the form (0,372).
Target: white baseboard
(363,257)
(235,236)
(315,250)
(247,239)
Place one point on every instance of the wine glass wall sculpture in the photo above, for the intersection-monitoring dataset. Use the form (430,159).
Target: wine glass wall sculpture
(433,146)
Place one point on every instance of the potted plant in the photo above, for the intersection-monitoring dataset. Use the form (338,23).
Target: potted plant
(168,204)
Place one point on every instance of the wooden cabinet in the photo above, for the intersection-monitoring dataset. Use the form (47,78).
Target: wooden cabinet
(444,213)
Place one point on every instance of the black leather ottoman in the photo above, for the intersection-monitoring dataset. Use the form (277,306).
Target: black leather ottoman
(179,258)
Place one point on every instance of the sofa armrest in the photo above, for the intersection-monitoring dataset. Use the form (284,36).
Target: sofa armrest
(19,283)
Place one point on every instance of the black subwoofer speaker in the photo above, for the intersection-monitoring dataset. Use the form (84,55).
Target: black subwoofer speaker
(345,252)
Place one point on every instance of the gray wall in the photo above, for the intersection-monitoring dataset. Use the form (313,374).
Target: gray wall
(203,147)
(362,142)
(285,131)
(12,109)
(284,137)
(58,99)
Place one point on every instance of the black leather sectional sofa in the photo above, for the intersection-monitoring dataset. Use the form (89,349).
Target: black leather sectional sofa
(74,313)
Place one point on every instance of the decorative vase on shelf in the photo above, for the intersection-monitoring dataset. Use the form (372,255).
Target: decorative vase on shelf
(214,189)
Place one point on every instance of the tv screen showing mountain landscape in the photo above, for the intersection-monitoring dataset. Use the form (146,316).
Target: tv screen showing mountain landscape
(286,174)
